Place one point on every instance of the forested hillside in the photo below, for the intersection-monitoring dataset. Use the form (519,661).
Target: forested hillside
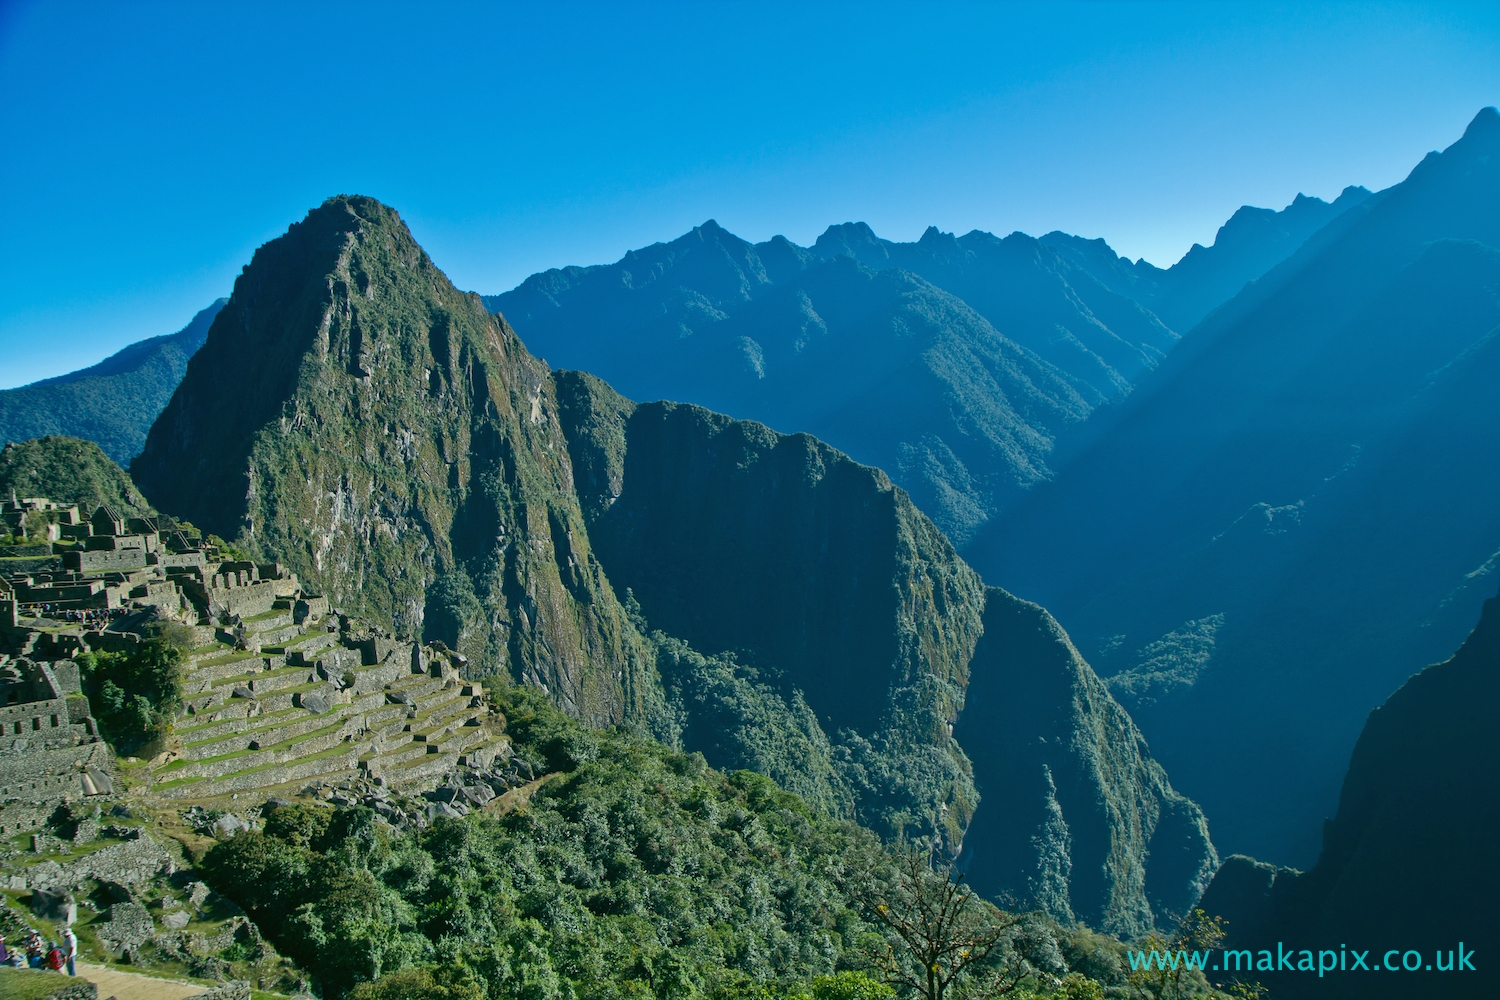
(112,403)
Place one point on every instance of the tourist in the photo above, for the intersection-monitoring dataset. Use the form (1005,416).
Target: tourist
(34,950)
(54,959)
(70,946)
(4,951)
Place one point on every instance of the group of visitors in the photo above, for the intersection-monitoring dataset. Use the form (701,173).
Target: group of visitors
(38,954)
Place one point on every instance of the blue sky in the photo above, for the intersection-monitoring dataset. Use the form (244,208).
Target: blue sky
(146,150)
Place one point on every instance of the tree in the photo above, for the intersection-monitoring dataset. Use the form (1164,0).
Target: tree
(938,929)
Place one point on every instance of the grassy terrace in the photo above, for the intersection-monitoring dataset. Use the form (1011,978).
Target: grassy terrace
(275,720)
(330,752)
(29,984)
(180,731)
(259,675)
(220,661)
(73,853)
(266,616)
(273,748)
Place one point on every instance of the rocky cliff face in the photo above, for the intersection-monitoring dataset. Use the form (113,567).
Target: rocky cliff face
(809,567)
(355,416)
(1080,818)
(1409,861)
(857,639)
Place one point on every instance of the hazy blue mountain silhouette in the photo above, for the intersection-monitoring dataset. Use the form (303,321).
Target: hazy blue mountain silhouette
(111,403)
(1293,508)
(958,368)
(1253,241)
(1030,292)
(899,372)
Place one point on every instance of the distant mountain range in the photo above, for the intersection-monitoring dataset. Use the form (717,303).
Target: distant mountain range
(1296,507)
(956,363)
(111,403)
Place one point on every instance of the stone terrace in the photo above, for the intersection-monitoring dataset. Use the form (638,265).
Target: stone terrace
(290,699)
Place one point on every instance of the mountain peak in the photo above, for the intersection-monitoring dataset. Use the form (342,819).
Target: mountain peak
(1487,122)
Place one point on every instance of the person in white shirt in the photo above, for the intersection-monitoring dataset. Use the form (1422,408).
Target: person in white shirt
(70,949)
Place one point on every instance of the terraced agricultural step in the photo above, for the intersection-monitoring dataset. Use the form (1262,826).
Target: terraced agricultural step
(281,753)
(222,708)
(304,648)
(452,716)
(275,618)
(441,696)
(413,773)
(387,759)
(213,651)
(265,681)
(416,685)
(277,636)
(275,701)
(376,676)
(336,760)
(269,731)
(216,728)
(195,678)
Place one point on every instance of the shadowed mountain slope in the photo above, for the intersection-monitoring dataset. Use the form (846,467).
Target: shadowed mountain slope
(884,361)
(111,403)
(1296,506)
(1087,824)
(1409,861)
(779,551)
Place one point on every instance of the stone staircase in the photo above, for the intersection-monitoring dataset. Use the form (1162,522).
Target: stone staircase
(275,705)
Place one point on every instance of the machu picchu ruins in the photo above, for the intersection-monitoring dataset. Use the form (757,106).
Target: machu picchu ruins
(280,694)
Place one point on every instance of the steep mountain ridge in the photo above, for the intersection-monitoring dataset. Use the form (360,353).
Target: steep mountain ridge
(1297,497)
(1249,245)
(1409,860)
(804,340)
(799,597)
(750,329)
(961,368)
(111,403)
(1091,828)
(356,417)
(1032,293)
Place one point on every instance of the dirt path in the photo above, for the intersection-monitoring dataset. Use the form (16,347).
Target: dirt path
(133,986)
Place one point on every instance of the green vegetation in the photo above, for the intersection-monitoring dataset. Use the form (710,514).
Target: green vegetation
(69,470)
(135,695)
(29,984)
(638,872)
